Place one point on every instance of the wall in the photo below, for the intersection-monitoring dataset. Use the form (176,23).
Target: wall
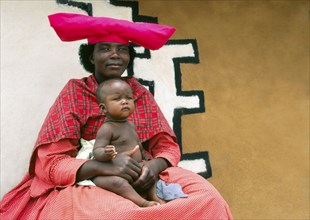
(250,71)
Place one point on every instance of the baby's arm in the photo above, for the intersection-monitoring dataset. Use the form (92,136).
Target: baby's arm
(108,153)
(103,151)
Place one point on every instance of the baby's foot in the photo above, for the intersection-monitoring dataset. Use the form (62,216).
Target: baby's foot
(149,203)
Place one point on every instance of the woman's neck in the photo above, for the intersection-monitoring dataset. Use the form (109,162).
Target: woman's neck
(99,78)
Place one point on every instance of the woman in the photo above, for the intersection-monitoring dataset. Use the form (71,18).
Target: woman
(48,191)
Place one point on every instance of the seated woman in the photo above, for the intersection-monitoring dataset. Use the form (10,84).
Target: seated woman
(49,189)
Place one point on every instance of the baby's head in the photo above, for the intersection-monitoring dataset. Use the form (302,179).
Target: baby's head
(115,99)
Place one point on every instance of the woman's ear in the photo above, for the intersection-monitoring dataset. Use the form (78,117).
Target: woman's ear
(102,107)
(91,59)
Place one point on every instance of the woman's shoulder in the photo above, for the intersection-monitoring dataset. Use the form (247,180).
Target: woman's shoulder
(137,88)
(79,81)
(131,80)
(85,83)
(73,82)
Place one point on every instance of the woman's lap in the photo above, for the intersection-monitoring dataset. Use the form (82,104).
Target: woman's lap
(203,202)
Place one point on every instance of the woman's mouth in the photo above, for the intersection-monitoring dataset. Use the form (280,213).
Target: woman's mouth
(114,65)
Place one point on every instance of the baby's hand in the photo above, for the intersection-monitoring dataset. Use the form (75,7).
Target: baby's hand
(110,151)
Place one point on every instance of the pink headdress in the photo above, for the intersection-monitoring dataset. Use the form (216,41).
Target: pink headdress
(72,27)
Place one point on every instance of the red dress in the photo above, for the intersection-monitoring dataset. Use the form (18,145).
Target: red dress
(48,190)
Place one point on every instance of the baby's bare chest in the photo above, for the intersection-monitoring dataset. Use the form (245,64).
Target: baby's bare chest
(124,138)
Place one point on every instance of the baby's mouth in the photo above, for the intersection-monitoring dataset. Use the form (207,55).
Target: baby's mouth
(125,109)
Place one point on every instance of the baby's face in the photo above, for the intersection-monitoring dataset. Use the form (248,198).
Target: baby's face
(119,102)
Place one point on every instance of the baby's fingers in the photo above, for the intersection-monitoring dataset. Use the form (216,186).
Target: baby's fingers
(110,149)
(114,155)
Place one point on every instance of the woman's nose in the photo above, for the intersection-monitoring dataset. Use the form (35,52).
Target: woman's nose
(114,53)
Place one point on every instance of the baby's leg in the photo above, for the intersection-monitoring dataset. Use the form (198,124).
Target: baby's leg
(121,187)
(152,195)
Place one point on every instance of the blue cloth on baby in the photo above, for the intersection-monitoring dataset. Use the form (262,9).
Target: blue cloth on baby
(169,191)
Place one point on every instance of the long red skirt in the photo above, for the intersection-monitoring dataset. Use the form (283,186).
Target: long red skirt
(90,202)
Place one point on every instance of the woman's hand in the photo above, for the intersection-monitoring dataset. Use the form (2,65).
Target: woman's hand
(150,172)
(122,165)
(126,167)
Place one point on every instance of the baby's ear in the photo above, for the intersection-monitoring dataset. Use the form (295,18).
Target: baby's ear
(102,107)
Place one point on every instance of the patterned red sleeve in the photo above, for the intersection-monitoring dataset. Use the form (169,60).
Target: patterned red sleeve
(56,163)
(163,145)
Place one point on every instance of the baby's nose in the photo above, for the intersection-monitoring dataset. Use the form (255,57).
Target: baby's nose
(124,101)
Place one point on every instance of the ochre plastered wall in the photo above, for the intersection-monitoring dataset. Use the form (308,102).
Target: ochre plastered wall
(254,71)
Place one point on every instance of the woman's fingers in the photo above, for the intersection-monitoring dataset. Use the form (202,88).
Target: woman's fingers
(132,151)
(145,180)
(147,184)
(125,165)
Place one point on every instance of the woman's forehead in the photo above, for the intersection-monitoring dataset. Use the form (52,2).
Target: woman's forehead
(110,44)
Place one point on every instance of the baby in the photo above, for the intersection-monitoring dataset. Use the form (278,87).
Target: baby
(118,135)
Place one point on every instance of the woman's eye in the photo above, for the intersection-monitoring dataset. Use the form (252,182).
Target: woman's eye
(104,49)
(123,49)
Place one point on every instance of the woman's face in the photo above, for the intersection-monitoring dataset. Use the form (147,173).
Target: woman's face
(110,60)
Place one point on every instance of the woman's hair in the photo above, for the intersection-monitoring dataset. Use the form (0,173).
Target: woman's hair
(86,51)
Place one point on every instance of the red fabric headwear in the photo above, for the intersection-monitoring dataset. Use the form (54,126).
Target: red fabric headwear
(72,27)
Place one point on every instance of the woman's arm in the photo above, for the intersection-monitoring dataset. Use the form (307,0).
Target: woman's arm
(57,166)
(166,153)
(164,146)
(122,165)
